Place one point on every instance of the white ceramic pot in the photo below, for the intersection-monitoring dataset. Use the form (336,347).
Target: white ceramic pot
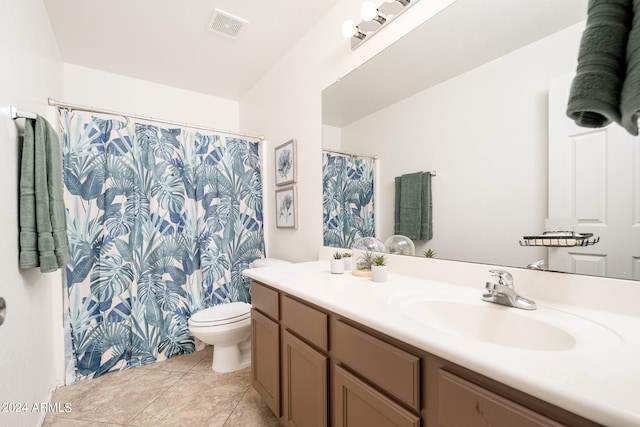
(348,263)
(337,266)
(379,273)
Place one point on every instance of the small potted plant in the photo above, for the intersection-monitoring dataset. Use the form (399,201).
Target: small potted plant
(337,263)
(429,253)
(348,261)
(379,268)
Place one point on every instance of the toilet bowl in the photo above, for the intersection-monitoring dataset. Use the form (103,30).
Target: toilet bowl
(228,328)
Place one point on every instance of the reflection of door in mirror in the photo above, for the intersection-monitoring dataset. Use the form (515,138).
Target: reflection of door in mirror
(591,176)
(347,198)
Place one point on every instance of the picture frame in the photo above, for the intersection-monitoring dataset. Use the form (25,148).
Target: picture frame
(286,163)
(287,208)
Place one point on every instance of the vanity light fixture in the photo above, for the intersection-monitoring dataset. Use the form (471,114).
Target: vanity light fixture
(373,19)
(402,2)
(370,12)
(350,29)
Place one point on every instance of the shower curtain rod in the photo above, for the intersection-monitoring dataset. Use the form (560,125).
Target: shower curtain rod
(374,157)
(128,116)
(345,153)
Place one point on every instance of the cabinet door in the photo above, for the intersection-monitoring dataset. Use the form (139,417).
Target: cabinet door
(304,391)
(464,404)
(359,405)
(265,359)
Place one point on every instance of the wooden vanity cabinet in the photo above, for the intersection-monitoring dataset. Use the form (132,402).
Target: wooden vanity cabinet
(305,364)
(289,355)
(265,345)
(374,381)
(315,368)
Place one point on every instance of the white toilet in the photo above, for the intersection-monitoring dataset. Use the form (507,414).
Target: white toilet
(228,328)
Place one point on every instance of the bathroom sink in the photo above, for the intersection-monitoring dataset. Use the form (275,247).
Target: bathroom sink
(542,329)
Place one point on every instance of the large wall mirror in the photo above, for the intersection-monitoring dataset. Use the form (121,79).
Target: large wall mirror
(467,94)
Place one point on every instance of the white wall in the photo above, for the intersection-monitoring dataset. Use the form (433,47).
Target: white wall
(100,89)
(331,137)
(286,104)
(31,339)
(485,132)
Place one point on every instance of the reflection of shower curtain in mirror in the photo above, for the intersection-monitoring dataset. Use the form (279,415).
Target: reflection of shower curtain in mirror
(161,223)
(347,205)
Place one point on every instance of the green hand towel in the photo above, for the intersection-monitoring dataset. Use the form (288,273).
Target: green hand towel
(594,100)
(28,233)
(57,210)
(413,206)
(426,222)
(43,234)
(630,98)
(409,210)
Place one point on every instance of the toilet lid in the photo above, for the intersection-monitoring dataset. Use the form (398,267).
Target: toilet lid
(222,314)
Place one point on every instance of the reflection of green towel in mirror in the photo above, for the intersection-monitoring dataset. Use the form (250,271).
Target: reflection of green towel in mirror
(630,97)
(413,206)
(594,100)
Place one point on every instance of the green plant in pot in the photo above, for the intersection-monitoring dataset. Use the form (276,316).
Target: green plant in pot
(337,263)
(348,260)
(379,270)
(379,260)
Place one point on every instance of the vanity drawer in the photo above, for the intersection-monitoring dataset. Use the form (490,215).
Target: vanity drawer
(265,299)
(394,370)
(462,403)
(306,322)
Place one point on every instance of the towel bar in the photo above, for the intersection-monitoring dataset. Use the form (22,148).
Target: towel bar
(16,114)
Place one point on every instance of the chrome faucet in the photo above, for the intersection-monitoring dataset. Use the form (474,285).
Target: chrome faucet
(503,292)
(536,265)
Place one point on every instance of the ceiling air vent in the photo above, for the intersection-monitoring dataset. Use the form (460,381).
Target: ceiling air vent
(225,23)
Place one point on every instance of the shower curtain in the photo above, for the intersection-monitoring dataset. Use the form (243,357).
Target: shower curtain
(347,191)
(161,223)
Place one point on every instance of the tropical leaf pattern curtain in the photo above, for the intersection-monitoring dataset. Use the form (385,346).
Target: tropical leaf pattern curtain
(161,223)
(347,190)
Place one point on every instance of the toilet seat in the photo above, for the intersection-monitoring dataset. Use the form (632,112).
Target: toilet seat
(222,314)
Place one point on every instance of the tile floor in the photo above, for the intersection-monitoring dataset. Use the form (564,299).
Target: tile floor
(181,391)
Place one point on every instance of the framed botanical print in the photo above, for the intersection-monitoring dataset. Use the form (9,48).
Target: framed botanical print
(286,163)
(286,208)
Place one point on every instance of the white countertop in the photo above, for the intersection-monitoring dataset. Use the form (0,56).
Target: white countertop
(599,378)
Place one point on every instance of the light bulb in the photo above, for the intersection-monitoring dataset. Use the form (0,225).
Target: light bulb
(349,28)
(368,11)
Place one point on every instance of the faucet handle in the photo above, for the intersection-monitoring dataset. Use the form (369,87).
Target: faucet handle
(504,277)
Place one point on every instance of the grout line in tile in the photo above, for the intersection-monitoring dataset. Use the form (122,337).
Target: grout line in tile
(236,407)
(130,421)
